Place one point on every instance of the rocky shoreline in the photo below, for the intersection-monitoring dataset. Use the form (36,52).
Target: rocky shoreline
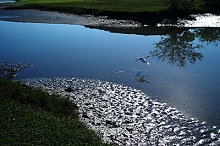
(52,17)
(124,116)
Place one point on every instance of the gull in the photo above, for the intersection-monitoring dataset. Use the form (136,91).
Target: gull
(143,60)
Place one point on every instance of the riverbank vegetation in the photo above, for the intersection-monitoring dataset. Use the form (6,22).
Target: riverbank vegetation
(144,11)
(32,117)
(96,5)
(122,5)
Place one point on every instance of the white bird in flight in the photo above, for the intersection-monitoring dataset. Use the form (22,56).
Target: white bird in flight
(143,60)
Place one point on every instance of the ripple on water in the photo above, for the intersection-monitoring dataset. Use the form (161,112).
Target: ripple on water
(125,116)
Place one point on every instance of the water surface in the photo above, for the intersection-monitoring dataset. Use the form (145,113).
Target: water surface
(6,1)
(184,69)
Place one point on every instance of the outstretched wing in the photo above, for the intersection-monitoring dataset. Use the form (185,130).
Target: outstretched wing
(137,59)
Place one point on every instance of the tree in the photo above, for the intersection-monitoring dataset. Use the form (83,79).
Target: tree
(211,5)
(175,5)
(172,4)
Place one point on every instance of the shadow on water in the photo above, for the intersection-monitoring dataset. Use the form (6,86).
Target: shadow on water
(149,30)
(204,34)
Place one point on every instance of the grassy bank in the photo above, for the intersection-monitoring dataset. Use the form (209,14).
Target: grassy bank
(33,117)
(98,5)
(143,11)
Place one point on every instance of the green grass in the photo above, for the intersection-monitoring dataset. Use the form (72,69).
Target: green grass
(98,5)
(37,98)
(26,121)
(130,6)
(114,7)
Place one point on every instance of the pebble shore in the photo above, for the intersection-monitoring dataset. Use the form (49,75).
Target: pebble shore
(52,17)
(124,116)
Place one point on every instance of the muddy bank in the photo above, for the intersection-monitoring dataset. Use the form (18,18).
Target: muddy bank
(37,16)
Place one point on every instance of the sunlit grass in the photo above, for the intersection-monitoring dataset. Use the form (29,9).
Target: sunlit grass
(37,98)
(97,6)
(33,117)
(101,5)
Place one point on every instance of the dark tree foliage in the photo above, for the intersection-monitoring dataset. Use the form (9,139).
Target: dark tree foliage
(212,5)
(175,5)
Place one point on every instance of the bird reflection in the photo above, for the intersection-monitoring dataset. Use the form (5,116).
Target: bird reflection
(142,80)
(143,60)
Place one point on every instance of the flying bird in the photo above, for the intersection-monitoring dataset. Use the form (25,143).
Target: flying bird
(143,60)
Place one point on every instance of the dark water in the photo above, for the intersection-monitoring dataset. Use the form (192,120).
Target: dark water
(184,69)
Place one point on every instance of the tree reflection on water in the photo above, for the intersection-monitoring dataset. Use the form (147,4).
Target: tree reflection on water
(179,46)
(208,35)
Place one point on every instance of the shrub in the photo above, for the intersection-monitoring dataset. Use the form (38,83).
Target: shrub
(175,5)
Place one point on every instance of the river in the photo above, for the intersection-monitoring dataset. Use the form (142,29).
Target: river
(181,68)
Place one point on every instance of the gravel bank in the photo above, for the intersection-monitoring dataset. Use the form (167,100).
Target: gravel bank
(124,116)
(36,16)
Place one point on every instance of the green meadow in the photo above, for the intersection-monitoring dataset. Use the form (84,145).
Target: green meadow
(130,6)
(98,5)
